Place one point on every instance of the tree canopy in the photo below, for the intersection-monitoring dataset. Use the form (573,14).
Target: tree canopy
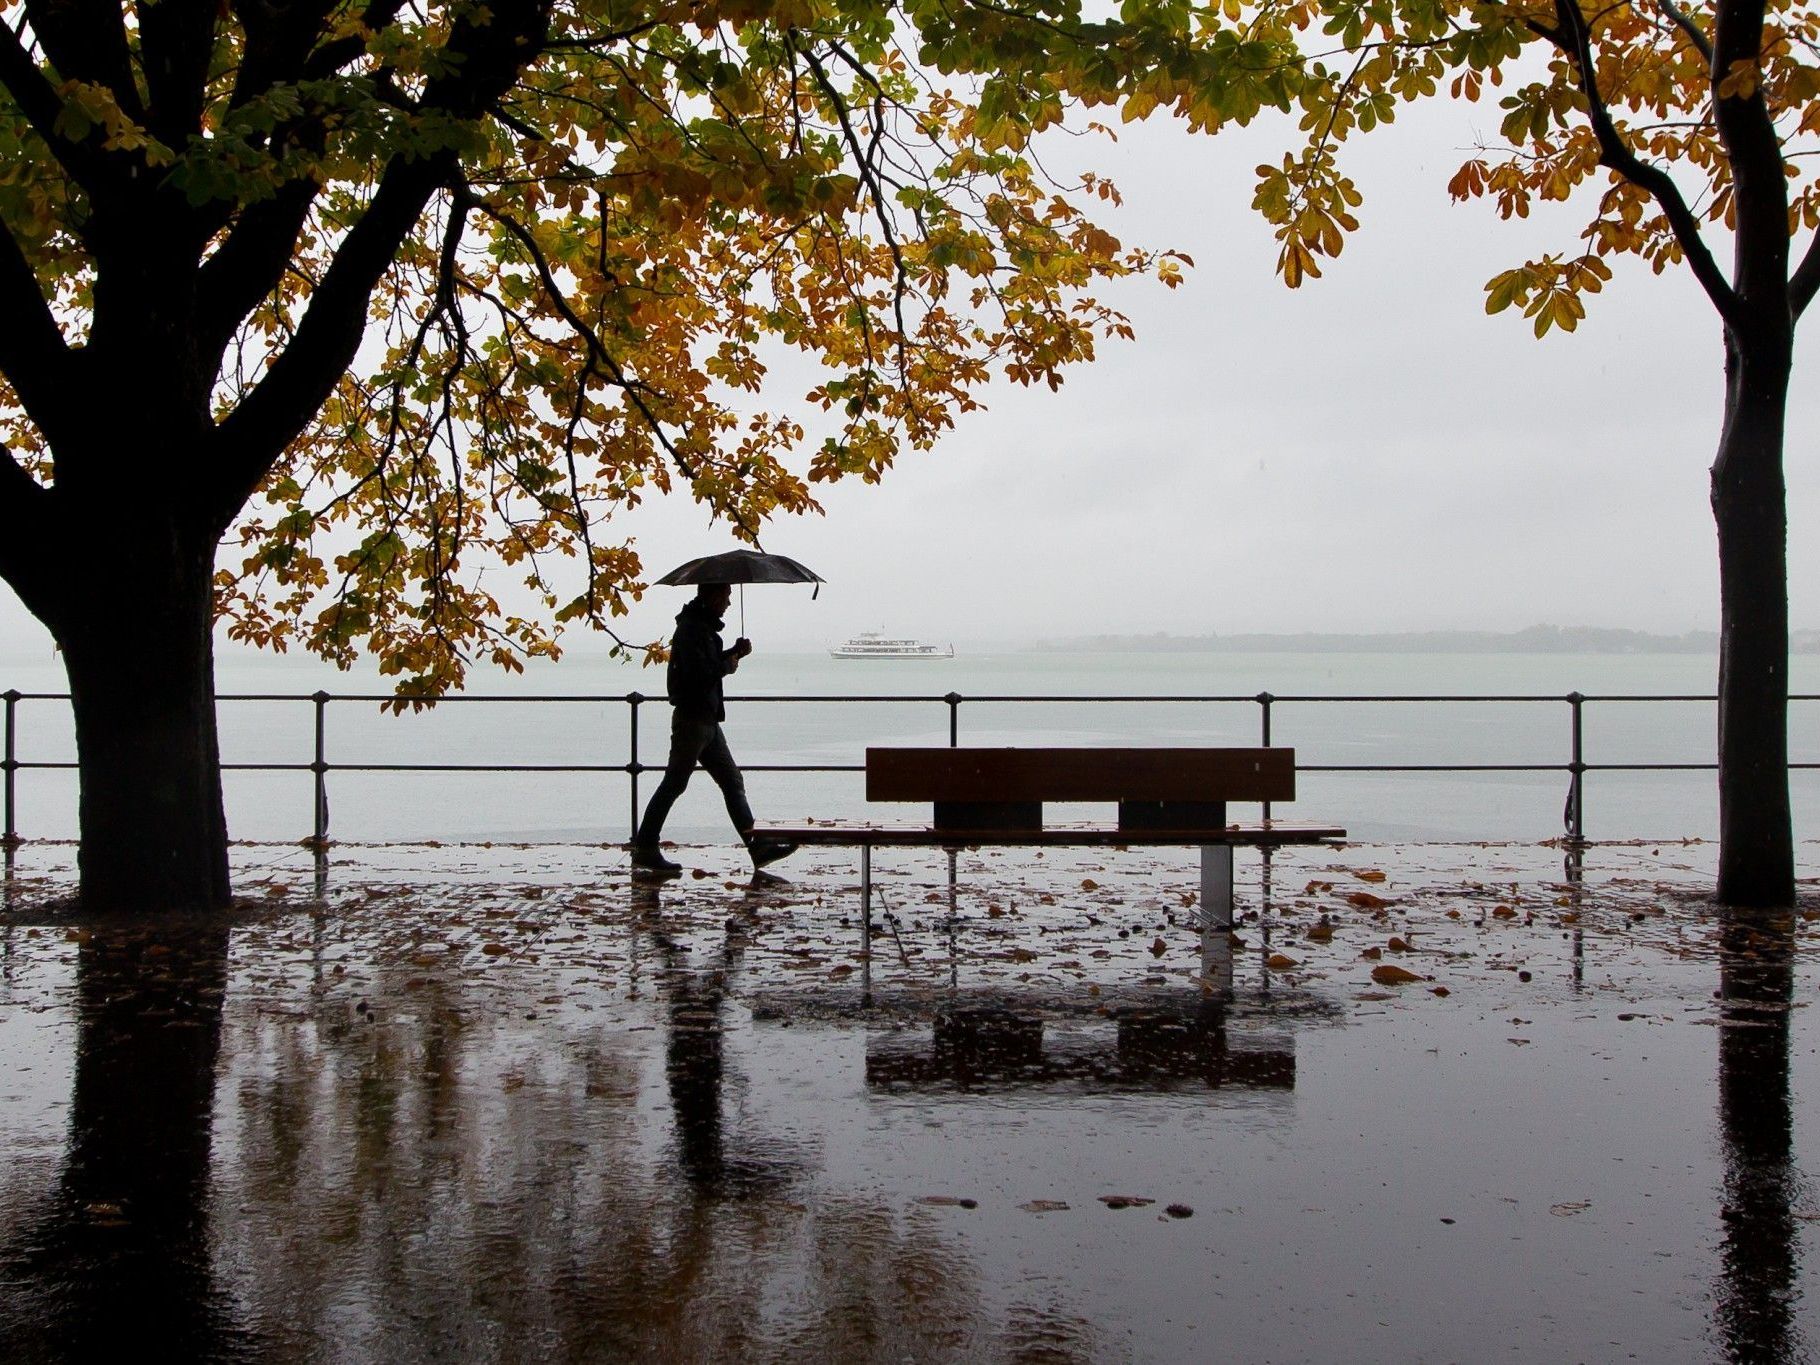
(1653,111)
(441,288)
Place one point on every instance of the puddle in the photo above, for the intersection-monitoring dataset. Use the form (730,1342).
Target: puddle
(502,1104)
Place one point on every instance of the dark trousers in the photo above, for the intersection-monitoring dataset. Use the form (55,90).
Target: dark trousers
(695,741)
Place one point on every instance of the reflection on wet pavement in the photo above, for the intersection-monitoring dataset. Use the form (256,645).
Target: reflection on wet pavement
(1427,1103)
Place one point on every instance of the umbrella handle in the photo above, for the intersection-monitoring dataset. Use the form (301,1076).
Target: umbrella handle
(742,611)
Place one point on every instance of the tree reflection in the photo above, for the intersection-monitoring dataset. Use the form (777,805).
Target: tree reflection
(1755,1317)
(437,1177)
(453,1164)
(119,1255)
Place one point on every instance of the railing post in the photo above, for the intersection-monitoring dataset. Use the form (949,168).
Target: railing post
(319,836)
(1574,816)
(11,838)
(1264,701)
(633,767)
(954,719)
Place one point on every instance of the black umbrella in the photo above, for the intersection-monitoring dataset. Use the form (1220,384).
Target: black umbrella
(741,567)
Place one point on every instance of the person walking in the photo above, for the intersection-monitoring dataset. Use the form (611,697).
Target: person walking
(698,663)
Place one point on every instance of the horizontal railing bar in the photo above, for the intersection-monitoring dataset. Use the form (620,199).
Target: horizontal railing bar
(621,698)
(52,765)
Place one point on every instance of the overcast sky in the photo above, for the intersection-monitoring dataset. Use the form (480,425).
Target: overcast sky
(1371,452)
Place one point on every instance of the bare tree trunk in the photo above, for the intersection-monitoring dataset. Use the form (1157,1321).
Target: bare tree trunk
(1756,839)
(142,686)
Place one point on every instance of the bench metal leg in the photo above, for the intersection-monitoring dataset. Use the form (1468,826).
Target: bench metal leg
(865,901)
(1216,885)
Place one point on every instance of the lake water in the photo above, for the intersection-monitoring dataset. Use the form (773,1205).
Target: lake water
(772,731)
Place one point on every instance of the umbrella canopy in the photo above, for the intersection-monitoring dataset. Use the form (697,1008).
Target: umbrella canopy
(740,566)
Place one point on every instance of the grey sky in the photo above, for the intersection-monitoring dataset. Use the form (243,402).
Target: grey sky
(1370,452)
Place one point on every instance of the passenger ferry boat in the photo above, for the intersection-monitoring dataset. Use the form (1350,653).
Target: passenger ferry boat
(869,644)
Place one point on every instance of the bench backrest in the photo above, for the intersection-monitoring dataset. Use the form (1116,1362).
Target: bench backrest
(1004,789)
(1025,775)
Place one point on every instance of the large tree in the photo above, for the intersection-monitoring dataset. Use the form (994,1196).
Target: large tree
(1687,128)
(392,296)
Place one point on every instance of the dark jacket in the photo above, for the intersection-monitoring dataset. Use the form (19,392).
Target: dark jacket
(698,662)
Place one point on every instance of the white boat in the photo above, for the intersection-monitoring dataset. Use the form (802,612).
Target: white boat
(869,644)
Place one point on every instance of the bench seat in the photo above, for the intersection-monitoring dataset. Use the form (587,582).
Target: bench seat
(995,797)
(1248,834)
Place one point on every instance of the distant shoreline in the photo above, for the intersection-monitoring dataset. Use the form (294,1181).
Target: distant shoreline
(1533,640)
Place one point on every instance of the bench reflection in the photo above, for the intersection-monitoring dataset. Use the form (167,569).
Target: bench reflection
(1149,1047)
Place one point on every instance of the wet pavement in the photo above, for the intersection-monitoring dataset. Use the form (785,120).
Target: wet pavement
(1429,1102)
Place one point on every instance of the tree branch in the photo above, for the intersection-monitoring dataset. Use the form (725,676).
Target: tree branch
(27,517)
(1806,280)
(486,58)
(34,357)
(598,354)
(1684,21)
(176,45)
(86,41)
(1574,38)
(39,101)
(328,336)
(248,265)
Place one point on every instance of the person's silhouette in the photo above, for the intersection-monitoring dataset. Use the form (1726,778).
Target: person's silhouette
(698,663)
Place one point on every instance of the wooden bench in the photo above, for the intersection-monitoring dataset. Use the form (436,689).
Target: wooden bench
(995,797)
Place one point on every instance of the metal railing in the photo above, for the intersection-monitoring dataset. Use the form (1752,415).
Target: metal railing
(1576,767)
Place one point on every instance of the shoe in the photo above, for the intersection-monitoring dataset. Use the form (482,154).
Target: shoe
(648,859)
(767,851)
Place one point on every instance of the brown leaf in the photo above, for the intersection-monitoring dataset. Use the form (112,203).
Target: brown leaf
(1320,933)
(1369,874)
(1277,962)
(1398,945)
(1088,884)
(1158,948)
(1387,975)
(1125,1201)
(1366,901)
